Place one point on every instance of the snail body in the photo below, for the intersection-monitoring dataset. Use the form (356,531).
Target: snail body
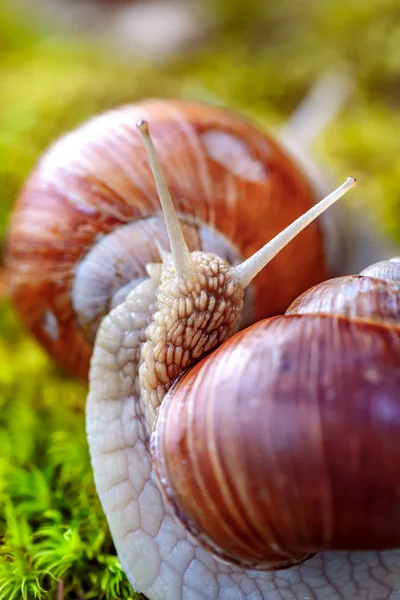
(176,311)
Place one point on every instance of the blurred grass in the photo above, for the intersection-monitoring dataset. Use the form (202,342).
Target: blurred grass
(51,524)
(261,59)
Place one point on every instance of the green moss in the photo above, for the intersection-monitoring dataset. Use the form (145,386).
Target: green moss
(46,91)
(261,59)
(16,31)
(51,524)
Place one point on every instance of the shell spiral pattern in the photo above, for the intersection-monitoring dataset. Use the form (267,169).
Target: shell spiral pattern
(84,225)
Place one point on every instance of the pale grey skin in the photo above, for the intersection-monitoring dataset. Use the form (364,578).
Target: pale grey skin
(159,557)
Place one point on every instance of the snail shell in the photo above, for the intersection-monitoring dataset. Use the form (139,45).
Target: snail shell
(85,223)
(284,441)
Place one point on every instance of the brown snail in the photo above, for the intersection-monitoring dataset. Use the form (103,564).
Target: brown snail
(167,322)
(313,462)
(84,226)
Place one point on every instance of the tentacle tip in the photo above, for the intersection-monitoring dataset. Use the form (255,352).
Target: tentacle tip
(143,126)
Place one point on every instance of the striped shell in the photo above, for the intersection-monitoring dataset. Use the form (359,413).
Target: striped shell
(284,441)
(84,225)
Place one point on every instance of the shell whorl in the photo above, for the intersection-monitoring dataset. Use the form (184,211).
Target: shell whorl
(117,263)
(311,463)
(374,295)
(234,189)
(388,270)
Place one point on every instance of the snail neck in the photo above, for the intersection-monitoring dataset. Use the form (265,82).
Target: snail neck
(193,316)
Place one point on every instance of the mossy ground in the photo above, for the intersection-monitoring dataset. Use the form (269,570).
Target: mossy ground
(261,59)
(52,527)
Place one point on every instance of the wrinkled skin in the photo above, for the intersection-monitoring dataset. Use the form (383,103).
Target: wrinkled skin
(160,558)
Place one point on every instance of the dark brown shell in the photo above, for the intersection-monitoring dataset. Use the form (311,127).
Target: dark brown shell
(221,171)
(284,441)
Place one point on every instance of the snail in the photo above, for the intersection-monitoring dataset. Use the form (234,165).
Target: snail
(156,329)
(312,463)
(84,226)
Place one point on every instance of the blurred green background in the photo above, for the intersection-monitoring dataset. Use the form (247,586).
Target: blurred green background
(63,61)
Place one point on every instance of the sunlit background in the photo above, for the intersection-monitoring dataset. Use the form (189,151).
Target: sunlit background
(64,60)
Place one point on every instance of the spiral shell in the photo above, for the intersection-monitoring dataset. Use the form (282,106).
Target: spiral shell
(284,442)
(85,223)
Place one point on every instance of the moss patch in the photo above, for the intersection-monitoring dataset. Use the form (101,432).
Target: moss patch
(51,523)
(261,58)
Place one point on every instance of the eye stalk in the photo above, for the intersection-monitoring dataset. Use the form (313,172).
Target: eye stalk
(179,249)
(248,269)
(253,265)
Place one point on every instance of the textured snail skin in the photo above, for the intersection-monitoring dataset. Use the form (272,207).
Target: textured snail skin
(234,189)
(160,556)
